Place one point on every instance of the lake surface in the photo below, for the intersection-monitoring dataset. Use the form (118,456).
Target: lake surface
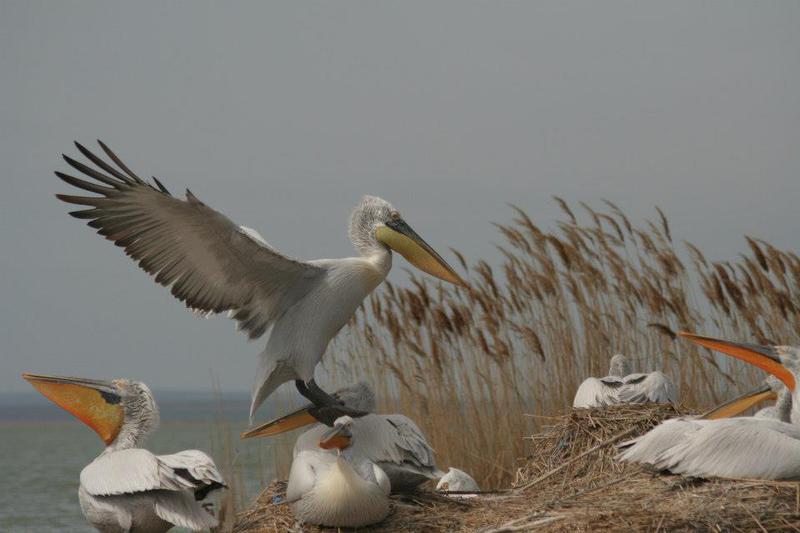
(43,450)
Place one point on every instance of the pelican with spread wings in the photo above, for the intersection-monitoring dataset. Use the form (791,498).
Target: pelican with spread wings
(622,386)
(214,265)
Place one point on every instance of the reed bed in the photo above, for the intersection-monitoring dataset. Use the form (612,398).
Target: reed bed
(481,368)
(489,371)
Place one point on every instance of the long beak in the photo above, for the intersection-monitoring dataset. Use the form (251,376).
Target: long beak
(297,419)
(399,236)
(740,403)
(338,437)
(764,357)
(95,403)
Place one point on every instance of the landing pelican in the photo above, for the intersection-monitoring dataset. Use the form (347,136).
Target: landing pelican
(127,488)
(393,442)
(621,386)
(214,265)
(747,447)
(337,489)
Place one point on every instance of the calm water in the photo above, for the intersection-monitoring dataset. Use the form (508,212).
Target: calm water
(43,449)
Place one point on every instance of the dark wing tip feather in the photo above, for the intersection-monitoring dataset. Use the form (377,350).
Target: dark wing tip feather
(161,186)
(192,199)
(79,200)
(85,185)
(84,213)
(119,162)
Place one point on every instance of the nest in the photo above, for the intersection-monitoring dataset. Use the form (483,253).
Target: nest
(570,482)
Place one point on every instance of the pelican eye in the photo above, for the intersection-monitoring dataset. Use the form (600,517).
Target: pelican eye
(110,397)
(395,215)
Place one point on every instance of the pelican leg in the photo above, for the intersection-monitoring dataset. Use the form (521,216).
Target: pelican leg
(326,408)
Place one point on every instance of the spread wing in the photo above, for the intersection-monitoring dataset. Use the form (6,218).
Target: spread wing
(137,470)
(595,392)
(737,448)
(654,387)
(210,263)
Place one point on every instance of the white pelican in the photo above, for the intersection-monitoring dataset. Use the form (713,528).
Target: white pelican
(214,265)
(330,487)
(782,410)
(747,447)
(621,386)
(456,480)
(127,488)
(647,447)
(393,442)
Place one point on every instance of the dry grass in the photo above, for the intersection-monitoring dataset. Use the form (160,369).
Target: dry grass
(468,365)
(483,369)
(570,482)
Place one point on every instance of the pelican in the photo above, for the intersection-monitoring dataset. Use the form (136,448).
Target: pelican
(393,442)
(646,448)
(621,386)
(456,480)
(330,487)
(127,488)
(746,447)
(214,265)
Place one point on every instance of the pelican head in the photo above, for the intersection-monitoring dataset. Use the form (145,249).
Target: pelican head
(375,224)
(620,366)
(122,412)
(339,436)
(358,396)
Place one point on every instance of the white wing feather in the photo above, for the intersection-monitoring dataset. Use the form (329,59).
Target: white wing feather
(737,448)
(655,387)
(647,449)
(181,509)
(138,470)
(594,392)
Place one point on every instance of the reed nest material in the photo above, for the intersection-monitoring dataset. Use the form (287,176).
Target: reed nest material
(570,482)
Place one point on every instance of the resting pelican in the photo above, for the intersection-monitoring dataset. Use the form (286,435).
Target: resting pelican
(623,387)
(213,265)
(646,448)
(456,480)
(747,447)
(127,488)
(393,442)
(337,489)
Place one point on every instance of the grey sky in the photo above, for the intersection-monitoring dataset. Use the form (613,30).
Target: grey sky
(282,114)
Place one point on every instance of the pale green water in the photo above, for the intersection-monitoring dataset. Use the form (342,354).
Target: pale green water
(42,452)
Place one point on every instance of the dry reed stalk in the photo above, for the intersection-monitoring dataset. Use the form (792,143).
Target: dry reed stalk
(467,364)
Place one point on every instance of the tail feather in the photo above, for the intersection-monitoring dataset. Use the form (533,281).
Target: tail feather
(271,375)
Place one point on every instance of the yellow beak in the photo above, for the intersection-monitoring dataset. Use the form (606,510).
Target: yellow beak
(398,236)
(95,403)
(741,403)
(338,437)
(294,420)
(764,357)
